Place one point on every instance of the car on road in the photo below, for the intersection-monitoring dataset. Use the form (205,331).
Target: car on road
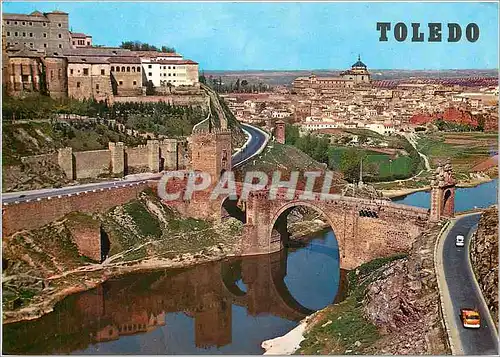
(470,318)
(459,241)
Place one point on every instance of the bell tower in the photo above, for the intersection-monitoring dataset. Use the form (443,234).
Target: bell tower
(442,192)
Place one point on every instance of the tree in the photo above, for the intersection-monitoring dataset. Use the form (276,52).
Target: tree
(291,134)
(350,163)
(150,88)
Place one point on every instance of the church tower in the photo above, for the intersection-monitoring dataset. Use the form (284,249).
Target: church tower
(358,73)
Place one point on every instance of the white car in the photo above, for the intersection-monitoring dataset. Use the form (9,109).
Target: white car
(459,241)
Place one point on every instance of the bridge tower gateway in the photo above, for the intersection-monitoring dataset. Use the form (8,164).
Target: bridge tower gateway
(442,192)
(211,152)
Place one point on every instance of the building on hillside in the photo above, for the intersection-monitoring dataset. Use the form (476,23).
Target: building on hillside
(25,71)
(126,75)
(79,40)
(46,32)
(357,75)
(89,77)
(56,68)
(168,69)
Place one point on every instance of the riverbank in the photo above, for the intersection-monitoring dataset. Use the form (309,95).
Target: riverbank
(391,308)
(90,276)
(398,193)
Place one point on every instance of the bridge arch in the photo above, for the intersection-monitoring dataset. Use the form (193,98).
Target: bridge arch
(282,213)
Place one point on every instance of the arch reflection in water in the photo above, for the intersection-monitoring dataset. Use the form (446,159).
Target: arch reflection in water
(183,311)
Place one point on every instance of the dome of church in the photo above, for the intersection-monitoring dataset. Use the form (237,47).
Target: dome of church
(359,63)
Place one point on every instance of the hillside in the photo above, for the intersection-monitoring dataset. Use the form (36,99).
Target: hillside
(484,257)
(45,264)
(43,137)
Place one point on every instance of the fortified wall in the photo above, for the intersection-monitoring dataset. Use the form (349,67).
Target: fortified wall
(37,213)
(118,160)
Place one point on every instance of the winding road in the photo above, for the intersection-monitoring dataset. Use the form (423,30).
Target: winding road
(459,289)
(257,140)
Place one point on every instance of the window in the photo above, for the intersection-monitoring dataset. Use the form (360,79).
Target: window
(168,67)
(31,45)
(135,82)
(77,84)
(24,23)
(60,36)
(51,74)
(44,24)
(88,43)
(71,71)
(85,71)
(123,68)
(117,69)
(59,73)
(60,46)
(150,66)
(45,45)
(59,25)
(169,74)
(173,67)
(128,69)
(15,22)
(97,86)
(8,33)
(150,74)
(31,34)
(120,82)
(138,69)
(112,68)
(133,69)
(25,78)
(173,74)
(15,33)
(8,22)
(73,43)
(31,23)
(24,34)
(103,72)
(44,35)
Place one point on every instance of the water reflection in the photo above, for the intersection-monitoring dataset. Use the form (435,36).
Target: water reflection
(226,307)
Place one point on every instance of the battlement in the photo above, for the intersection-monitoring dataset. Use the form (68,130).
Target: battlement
(119,144)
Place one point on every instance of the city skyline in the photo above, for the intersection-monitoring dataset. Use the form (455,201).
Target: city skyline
(288,36)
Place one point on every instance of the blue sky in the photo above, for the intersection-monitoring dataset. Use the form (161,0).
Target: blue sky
(287,36)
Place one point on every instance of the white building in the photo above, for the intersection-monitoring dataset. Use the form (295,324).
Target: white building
(168,69)
(382,129)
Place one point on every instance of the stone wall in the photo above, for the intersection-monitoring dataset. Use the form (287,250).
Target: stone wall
(35,214)
(136,159)
(196,100)
(93,163)
(87,237)
(39,159)
(57,79)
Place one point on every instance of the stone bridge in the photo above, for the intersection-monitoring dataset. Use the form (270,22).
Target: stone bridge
(138,304)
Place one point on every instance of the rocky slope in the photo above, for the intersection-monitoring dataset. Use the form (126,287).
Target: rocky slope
(391,308)
(42,266)
(484,258)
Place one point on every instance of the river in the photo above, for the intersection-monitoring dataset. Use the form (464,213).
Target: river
(226,307)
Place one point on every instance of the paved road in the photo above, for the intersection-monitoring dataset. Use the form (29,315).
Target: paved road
(256,142)
(464,291)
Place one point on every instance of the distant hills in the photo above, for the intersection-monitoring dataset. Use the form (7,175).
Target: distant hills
(273,77)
